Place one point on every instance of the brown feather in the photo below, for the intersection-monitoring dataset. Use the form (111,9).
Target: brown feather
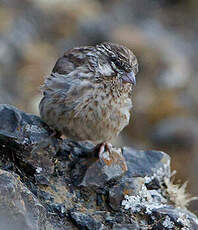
(85,97)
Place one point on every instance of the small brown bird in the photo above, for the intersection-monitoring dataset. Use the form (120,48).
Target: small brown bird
(88,94)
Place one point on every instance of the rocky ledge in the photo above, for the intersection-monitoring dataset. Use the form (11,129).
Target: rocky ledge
(43,187)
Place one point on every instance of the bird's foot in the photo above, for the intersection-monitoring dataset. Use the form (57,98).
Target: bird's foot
(105,147)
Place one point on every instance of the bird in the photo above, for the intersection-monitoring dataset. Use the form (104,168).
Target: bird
(88,95)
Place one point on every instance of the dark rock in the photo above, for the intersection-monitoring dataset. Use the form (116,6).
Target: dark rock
(41,179)
(168,217)
(20,129)
(153,184)
(158,213)
(20,133)
(110,219)
(109,168)
(45,196)
(127,186)
(147,164)
(125,227)
(19,208)
(74,189)
(60,209)
(85,222)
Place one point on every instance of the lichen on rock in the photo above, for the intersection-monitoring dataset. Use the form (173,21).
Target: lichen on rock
(74,188)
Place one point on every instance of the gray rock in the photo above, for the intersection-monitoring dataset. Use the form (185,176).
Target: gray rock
(127,186)
(20,129)
(19,208)
(168,217)
(121,190)
(21,133)
(147,164)
(84,221)
(125,227)
(108,168)
(158,213)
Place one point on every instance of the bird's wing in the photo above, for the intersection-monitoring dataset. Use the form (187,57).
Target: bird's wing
(65,88)
(69,83)
(68,72)
(55,83)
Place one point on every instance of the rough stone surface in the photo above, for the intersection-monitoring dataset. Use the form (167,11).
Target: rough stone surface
(85,222)
(71,187)
(125,227)
(19,208)
(168,217)
(156,164)
(127,186)
(163,35)
(108,168)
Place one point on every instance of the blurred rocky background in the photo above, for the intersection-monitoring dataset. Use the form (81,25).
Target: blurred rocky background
(163,35)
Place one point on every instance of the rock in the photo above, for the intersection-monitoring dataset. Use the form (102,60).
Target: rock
(127,186)
(60,209)
(143,201)
(85,222)
(31,42)
(21,129)
(156,164)
(75,188)
(109,168)
(168,217)
(125,227)
(45,196)
(25,132)
(19,208)
(41,179)
(159,214)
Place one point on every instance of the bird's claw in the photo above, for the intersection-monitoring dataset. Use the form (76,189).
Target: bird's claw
(105,147)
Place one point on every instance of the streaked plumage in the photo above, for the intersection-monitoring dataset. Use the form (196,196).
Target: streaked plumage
(88,94)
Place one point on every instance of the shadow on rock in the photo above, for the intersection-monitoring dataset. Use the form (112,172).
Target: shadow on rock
(76,189)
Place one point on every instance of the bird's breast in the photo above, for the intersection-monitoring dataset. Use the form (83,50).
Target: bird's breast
(106,114)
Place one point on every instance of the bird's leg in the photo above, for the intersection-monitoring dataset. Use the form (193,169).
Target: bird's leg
(105,147)
(55,134)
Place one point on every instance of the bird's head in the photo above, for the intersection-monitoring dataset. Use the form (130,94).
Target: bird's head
(116,61)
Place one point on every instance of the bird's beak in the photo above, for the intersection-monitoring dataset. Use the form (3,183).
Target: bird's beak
(129,78)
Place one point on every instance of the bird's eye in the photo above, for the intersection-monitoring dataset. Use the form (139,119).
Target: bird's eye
(121,65)
(113,58)
(118,63)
